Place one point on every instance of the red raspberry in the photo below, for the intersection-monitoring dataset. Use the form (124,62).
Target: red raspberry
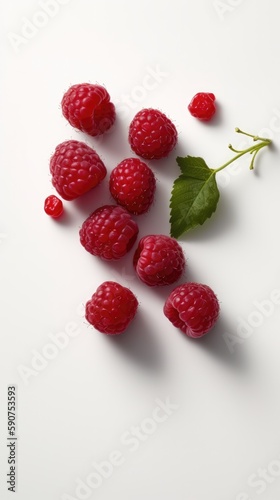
(159,260)
(202,106)
(109,232)
(151,134)
(111,308)
(192,307)
(132,185)
(76,168)
(88,108)
(53,206)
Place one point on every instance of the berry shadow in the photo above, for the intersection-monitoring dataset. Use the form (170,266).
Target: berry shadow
(164,291)
(120,270)
(65,219)
(94,198)
(156,220)
(168,167)
(217,119)
(215,344)
(112,145)
(140,344)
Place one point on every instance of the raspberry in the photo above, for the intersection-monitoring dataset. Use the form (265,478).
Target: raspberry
(159,260)
(53,206)
(132,185)
(111,308)
(109,232)
(192,307)
(76,168)
(202,106)
(88,108)
(151,134)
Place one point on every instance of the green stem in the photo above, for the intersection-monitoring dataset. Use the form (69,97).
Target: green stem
(252,150)
(253,159)
(234,150)
(254,137)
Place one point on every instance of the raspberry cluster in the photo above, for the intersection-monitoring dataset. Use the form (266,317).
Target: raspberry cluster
(110,232)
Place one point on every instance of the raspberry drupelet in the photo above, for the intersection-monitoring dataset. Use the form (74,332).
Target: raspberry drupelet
(88,108)
(111,308)
(193,308)
(159,260)
(76,168)
(132,185)
(109,232)
(151,134)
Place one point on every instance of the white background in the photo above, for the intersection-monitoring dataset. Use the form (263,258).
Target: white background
(73,412)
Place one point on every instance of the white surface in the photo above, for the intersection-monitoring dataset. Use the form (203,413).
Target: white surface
(75,410)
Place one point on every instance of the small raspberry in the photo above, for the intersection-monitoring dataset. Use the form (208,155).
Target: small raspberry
(132,185)
(111,308)
(192,307)
(76,168)
(151,134)
(202,106)
(109,232)
(159,260)
(53,206)
(88,108)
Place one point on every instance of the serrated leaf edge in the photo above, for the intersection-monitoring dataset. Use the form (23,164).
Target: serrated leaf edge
(213,173)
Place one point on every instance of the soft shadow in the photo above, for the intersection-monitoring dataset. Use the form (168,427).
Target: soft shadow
(168,166)
(113,140)
(65,219)
(217,119)
(188,276)
(93,199)
(215,344)
(156,220)
(139,343)
(122,269)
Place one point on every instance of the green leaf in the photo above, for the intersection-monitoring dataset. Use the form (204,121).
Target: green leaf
(193,166)
(194,195)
